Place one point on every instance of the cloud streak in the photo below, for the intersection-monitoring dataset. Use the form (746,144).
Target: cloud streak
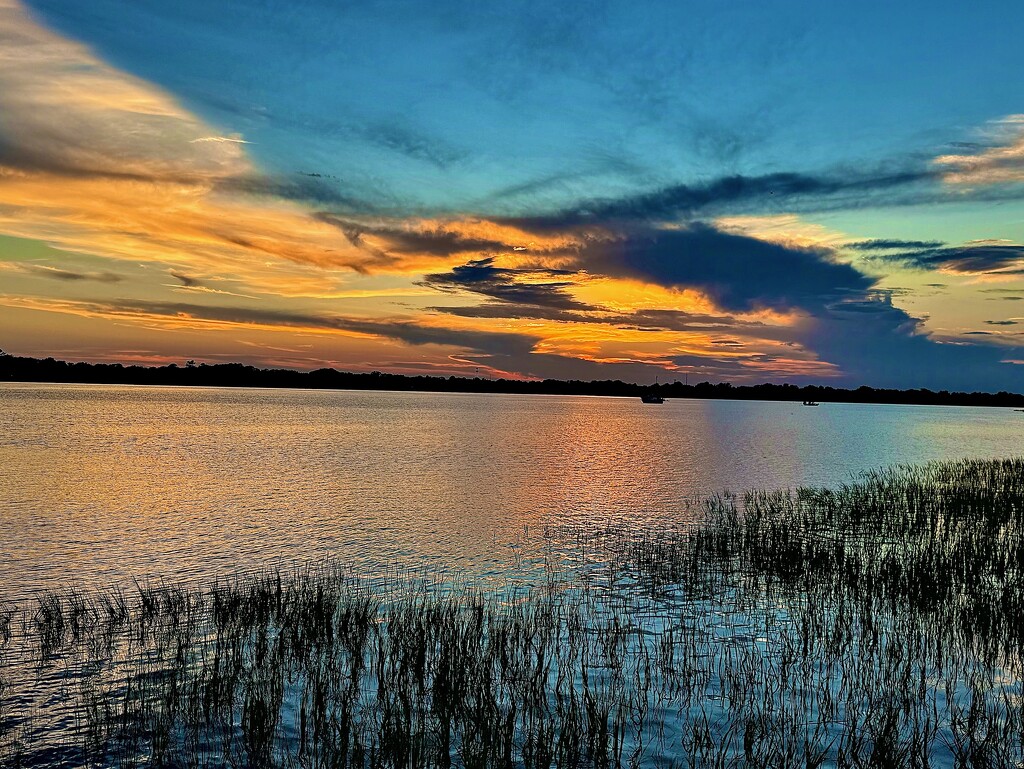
(184,314)
(968,259)
(57,273)
(884,244)
(120,125)
(530,287)
(1000,163)
(688,200)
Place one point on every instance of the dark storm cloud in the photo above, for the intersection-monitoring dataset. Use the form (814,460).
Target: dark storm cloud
(739,273)
(874,342)
(969,258)
(882,244)
(480,276)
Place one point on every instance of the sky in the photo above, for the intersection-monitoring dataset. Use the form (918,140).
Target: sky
(804,192)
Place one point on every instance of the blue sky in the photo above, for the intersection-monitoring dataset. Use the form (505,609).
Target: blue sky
(454,106)
(607,152)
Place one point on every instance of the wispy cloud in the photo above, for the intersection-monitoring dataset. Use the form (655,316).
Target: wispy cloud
(718,195)
(999,161)
(888,244)
(67,111)
(993,257)
(57,273)
(97,161)
(188,315)
(233,139)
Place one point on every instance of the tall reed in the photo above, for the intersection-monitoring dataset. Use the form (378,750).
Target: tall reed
(877,624)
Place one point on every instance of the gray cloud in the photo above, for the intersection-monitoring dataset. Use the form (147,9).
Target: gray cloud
(513,311)
(689,199)
(186,280)
(437,242)
(57,273)
(874,342)
(640,320)
(882,244)
(968,258)
(480,276)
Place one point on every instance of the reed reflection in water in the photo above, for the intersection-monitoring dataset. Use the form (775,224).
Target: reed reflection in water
(877,625)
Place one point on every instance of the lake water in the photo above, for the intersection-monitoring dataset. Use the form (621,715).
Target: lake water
(101,484)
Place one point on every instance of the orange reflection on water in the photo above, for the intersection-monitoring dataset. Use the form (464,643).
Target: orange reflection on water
(105,484)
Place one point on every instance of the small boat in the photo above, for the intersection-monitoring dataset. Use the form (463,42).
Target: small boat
(811,403)
(651,398)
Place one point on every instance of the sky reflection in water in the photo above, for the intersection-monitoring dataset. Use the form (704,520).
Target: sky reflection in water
(104,483)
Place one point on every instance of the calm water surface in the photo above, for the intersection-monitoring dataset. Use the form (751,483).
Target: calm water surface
(106,483)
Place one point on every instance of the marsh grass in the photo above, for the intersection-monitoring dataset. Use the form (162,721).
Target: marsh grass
(877,624)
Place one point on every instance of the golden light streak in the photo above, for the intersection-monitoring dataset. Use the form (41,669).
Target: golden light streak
(786,229)
(999,164)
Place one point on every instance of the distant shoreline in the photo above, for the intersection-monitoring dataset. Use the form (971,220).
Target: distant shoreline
(15,368)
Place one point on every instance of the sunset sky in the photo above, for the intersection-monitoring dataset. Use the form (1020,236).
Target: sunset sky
(745,192)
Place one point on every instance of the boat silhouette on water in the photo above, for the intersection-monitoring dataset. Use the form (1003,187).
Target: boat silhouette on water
(651,398)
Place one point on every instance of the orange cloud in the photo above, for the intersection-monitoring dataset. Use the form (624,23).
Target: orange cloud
(96,161)
(785,229)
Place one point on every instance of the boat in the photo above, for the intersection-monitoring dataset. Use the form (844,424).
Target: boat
(652,397)
(811,403)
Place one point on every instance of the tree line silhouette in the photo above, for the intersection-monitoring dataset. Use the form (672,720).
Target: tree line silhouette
(22,369)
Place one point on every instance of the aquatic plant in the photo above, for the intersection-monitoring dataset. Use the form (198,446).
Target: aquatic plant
(877,624)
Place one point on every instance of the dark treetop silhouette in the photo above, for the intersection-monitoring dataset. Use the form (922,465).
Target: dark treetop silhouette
(14,368)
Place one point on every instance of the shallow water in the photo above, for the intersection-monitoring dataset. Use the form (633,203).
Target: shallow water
(100,484)
(788,631)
